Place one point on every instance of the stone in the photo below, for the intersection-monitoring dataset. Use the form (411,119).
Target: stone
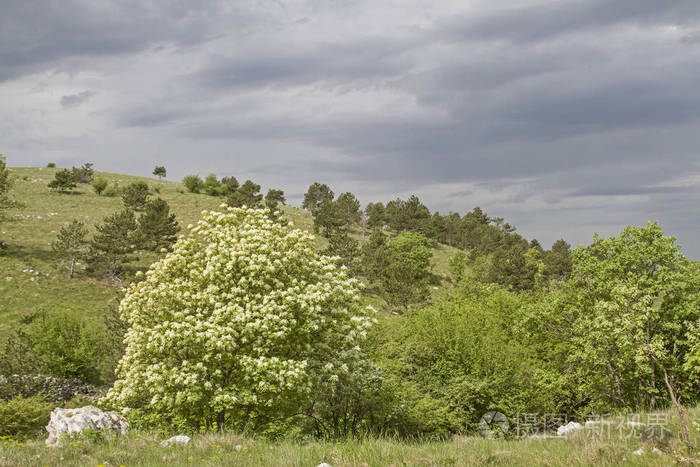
(67,422)
(657,451)
(570,427)
(179,439)
(639,452)
(324,464)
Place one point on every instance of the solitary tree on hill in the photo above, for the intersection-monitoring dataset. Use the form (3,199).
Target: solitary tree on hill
(160,172)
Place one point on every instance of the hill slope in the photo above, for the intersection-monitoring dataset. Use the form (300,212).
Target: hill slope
(31,280)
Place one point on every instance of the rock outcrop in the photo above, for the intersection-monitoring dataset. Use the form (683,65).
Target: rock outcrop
(67,422)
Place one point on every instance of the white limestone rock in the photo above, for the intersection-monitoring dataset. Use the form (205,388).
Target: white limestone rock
(179,439)
(569,428)
(67,422)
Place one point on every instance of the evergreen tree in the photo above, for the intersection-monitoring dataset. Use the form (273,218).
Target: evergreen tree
(84,174)
(345,247)
(112,243)
(328,218)
(247,194)
(316,195)
(349,208)
(160,172)
(273,198)
(157,227)
(558,261)
(6,202)
(63,181)
(70,243)
(229,185)
(376,215)
(135,195)
(211,186)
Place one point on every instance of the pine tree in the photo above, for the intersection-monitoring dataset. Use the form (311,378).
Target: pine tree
(112,243)
(159,171)
(157,227)
(64,180)
(135,195)
(247,194)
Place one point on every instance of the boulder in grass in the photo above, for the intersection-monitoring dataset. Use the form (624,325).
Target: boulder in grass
(179,439)
(569,428)
(67,422)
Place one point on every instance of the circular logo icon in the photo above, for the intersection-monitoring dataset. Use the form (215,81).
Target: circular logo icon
(493,425)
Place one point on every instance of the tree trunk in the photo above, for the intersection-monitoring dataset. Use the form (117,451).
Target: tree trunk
(679,409)
(72,266)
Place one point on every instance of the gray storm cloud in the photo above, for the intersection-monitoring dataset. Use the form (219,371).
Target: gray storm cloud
(565,117)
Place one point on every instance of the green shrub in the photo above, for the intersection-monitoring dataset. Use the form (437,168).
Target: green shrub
(67,346)
(24,417)
(193,183)
(51,165)
(99,185)
(113,190)
(135,195)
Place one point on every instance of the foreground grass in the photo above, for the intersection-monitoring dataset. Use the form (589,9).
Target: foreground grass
(143,449)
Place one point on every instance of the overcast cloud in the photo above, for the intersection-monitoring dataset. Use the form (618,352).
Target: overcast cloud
(565,117)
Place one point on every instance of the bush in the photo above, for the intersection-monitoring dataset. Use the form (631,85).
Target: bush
(51,165)
(99,185)
(64,180)
(113,190)
(58,344)
(193,183)
(24,417)
(243,322)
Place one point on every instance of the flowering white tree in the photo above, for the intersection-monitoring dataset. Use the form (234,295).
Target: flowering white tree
(243,319)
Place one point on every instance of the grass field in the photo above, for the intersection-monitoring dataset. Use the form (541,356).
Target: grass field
(32,281)
(143,449)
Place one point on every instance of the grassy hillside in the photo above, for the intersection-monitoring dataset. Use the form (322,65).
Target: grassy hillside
(31,280)
(143,449)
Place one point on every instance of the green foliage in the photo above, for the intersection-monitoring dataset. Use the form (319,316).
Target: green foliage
(636,300)
(274,198)
(193,183)
(451,362)
(135,195)
(51,165)
(376,215)
(407,215)
(24,417)
(328,218)
(64,180)
(113,190)
(348,208)
(112,243)
(229,185)
(84,174)
(99,185)
(157,227)
(315,196)
(241,324)
(247,195)
(340,244)
(458,265)
(70,243)
(212,186)
(558,261)
(67,346)
(160,172)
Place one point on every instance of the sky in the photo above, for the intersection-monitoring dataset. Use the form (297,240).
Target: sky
(566,118)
